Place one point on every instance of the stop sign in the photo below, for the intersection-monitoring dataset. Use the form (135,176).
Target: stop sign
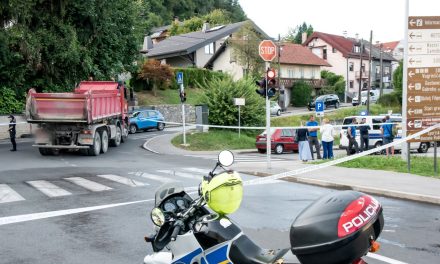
(267,50)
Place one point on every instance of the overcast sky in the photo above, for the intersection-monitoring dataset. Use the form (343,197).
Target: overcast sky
(384,17)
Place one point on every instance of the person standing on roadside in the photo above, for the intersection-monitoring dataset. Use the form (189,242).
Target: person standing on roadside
(301,136)
(363,129)
(313,136)
(327,138)
(387,134)
(351,135)
(12,132)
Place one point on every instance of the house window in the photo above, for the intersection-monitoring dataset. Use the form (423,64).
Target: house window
(302,72)
(334,50)
(313,73)
(386,71)
(290,73)
(351,84)
(377,69)
(209,49)
(363,68)
(324,54)
(351,66)
(357,49)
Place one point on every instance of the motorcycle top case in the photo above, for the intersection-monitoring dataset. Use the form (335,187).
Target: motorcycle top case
(338,228)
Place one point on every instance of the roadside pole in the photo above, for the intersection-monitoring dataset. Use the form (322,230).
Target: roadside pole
(268,134)
(239,102)
(435,159)
(405,147)
(182,96)
(369,73)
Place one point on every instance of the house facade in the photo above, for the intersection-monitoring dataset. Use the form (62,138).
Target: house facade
(349,57)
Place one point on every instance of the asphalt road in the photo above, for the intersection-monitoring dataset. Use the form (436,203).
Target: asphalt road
(55,219)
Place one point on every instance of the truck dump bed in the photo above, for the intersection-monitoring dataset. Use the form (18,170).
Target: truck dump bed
(91,102)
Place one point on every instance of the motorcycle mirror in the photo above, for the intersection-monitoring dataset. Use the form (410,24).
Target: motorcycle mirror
(157,216)
(226,158)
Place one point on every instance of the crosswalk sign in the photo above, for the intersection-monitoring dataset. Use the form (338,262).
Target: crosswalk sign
(179,77)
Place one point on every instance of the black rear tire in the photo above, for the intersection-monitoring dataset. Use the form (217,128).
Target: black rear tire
(262,151)
(423,148)
(279,149)
(95,149)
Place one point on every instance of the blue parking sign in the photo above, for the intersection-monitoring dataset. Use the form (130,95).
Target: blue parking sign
(319,106)
(179,77)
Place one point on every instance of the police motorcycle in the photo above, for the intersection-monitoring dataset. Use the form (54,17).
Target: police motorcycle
(339,228)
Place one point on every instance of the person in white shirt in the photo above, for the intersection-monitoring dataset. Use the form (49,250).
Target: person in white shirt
(327,138)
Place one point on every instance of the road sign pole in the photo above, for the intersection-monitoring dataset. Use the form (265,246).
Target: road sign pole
(183,117)
(268,134)
(435,158)
(405,147)
(239,123)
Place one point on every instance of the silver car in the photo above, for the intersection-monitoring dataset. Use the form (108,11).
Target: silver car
(275,109)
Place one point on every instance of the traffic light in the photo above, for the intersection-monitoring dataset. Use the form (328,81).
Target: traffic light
(182,97)
(262,87)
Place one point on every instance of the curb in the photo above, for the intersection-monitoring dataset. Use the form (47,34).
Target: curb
(145,145)
(370,190)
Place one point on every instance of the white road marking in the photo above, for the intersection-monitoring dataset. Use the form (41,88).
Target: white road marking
(156,178)
(202,171)
(48,188)
(37,216)
(88,184)
(385,259)
(7,194)
(181,174)
(122,180)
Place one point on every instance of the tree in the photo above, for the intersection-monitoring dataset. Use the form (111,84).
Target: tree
(295,35)
(215,18)
(398,81)
(244,45)
(219,97)
(159,74)
(301,93)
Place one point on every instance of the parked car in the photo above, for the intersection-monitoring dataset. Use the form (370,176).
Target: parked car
(146,119)
(375,135)
(327,99)
(275,109)
(374,96)
(283,140)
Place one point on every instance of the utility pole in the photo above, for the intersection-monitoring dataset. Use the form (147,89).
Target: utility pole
(360,72)
(369,73)
(381,71)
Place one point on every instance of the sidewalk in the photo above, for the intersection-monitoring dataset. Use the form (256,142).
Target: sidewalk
(384,183)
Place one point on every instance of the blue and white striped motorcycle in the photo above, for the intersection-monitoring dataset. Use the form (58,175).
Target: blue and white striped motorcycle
(339,228)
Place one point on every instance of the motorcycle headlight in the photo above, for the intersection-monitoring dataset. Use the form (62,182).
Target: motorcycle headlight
(157,216)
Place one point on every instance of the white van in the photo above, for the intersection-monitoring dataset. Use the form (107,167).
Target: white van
(375,135)
(374,96)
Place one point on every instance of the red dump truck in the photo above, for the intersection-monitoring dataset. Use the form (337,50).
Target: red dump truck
(89,119)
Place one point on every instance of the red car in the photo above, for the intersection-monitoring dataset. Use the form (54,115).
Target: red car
(282,140)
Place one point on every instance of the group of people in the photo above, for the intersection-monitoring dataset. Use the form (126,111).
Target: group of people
(307,138)
(386,131)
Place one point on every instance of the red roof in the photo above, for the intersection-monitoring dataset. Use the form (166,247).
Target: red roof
(389,46)
(341,43)
(298,54)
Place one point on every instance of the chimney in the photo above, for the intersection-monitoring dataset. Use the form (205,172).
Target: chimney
(303,37)
(357,37)
(344,33)
(148,44)
(205,27)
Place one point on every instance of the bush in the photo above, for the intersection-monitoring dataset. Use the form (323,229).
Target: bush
(391,99)
(9,103)
(193,77)
(301,94)
(219,96)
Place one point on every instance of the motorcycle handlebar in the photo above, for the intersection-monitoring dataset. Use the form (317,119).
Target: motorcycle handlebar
(176,230)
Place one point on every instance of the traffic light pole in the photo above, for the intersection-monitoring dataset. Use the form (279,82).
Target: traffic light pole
(268,134)
(183,115)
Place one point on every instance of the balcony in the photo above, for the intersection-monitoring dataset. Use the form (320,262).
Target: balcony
(314,83)
(364,74)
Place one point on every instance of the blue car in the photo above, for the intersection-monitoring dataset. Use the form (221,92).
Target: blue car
(146,119)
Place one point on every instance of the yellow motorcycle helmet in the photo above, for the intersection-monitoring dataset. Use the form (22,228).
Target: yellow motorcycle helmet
(224,192)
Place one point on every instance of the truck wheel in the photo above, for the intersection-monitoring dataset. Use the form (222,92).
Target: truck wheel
(117,140)
(124,134)
(133,129)
(379,144)
(104,141)
(337,105)
(95,149)
(279,149)
(43,151)
(160,126)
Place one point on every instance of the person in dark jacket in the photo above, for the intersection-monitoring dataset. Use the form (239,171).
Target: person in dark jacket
(351,135)
(12,132)
(303,144)
(363,129)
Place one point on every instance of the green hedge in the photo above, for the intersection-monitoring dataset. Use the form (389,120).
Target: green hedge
(301,94)
(391,99)
(193,77)
(9,104)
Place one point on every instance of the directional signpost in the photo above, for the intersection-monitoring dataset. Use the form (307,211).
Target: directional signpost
(268,51)
(423,78)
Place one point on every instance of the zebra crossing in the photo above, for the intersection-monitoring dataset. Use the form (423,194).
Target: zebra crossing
(102,183)
(245,158)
